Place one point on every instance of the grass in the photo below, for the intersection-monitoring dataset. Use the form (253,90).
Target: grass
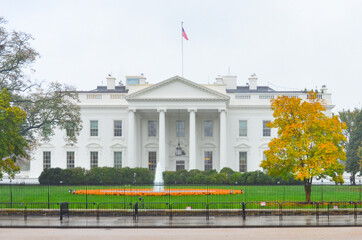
(38,193)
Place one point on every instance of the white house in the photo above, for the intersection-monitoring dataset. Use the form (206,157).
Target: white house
(138,124)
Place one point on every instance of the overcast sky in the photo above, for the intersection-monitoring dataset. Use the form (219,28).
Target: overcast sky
(291,44)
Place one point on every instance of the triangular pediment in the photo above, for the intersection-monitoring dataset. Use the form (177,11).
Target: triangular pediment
(177,88)
(242,145)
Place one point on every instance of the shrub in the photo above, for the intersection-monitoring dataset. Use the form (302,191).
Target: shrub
(73,176)
(227,170)
(51,176)
(143,176)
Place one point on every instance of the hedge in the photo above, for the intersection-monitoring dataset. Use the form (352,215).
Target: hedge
(225,176)
(138,176)
(94,176)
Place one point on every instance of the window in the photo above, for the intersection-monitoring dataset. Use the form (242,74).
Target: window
(208,160)
(117,126)
(180,128)
(118,159)
(152,161)
(152,128)
(180,165)
(243,161)
(70,160)
(208,128)
(94,128)
(46,160)
(266,96)
(243,128)
(266,129)
(93,159)
(131,81)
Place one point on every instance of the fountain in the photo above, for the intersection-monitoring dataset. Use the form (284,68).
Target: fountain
(158,182)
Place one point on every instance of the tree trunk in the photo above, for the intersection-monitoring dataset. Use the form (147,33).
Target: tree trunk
(308,191)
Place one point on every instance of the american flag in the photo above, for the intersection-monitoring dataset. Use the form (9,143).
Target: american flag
(184,34)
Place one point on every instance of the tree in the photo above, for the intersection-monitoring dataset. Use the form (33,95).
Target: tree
(12,144)
(54,106)
(350,118)
(309,144)
(353,164)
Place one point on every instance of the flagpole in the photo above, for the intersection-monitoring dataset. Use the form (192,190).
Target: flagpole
(182,50)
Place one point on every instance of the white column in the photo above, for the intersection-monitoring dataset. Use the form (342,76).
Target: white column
(222,138)
(131,139)
(192,147)
(162,138)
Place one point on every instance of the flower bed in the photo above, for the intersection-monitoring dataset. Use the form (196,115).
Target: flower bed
(151,192)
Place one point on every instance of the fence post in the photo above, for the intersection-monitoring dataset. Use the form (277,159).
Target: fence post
(86,195)
(170,211)
(243,204)
(169,193)
(328,210)
(280,211)
(25,212)
(322,191)
(207,194)
(124,195)
(11,195)
(135,211)
(317,210)
(98,211)
(48,194)
(284,193)
(207,212)
(355,210)
(360,190)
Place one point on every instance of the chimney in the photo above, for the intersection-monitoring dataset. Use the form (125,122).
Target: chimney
(111,82)
(324,89)
(253,79)
(229,81)
(219,80)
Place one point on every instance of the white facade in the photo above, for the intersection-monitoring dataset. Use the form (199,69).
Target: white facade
(220,125)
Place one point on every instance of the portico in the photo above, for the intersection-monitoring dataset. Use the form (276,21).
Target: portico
(196,108)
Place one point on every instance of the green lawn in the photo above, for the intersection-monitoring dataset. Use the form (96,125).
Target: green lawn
(38,193)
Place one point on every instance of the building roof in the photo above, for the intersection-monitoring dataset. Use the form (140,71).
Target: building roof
(259,89)
(103,89)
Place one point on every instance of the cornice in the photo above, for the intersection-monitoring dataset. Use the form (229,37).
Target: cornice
(179,99)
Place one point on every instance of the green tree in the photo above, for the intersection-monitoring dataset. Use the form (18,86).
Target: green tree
(350,119)
(353,164)
(309,144)
(47,108)
(12,144)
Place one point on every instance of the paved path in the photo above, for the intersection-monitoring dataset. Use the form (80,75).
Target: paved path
(191,221)
(350,233)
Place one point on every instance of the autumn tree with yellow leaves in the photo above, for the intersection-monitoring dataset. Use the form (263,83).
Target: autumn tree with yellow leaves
(309,144)
(12,145)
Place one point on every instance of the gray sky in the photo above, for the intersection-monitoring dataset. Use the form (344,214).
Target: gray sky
(292,44)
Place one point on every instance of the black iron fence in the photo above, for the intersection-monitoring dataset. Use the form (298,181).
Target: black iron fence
(177,209)
(101,200)
(251,193)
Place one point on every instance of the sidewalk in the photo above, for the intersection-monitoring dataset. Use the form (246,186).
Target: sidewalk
(178,222)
